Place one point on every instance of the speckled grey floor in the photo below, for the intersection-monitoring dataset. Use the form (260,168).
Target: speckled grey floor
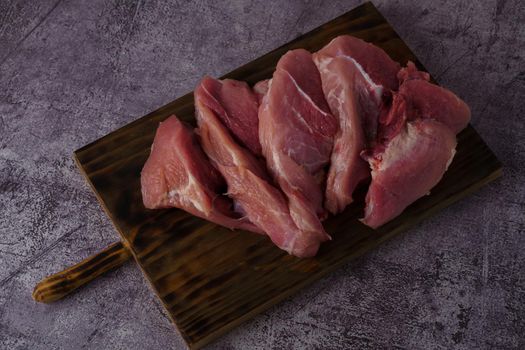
(72,71)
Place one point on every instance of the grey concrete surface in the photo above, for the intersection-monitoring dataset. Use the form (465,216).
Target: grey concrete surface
(72,71)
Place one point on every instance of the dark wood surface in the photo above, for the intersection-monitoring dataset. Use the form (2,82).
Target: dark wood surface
(60,284)
(211,279)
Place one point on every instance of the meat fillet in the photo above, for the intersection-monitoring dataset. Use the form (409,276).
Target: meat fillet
(178,174)
(248,181)
(238,107)
(413,163)
(296,130)
(354,99)
(357,79)
(417,98)
(417,141)
(427,100)
(374,61)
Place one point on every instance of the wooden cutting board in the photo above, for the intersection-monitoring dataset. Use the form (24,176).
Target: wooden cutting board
(211,279)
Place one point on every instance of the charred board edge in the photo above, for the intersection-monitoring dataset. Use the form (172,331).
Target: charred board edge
(58,285)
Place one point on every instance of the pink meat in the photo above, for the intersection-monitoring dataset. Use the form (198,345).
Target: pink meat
(414,162)
(417,98)
(178,174)
(247,179)
(237,109)
(260,89)
(426,100)
(416,145)
(410,72)
(354,99)
(296,130)
(375,62)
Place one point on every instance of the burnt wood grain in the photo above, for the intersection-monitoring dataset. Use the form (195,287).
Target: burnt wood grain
(211,279)
(60,284)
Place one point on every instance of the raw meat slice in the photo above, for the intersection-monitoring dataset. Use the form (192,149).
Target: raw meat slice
(375,62)
(357,79)
(414,162)
(411,72)
(248,182)
(237,109)
(405,164)
(426,100)
(355,100)
(178,174)
(417,98)
(260,89)
(296,130)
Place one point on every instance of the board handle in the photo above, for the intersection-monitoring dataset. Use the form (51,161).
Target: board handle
(60,284)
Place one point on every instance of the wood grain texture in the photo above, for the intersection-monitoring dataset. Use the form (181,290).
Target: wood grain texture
(211,279)
(57,286)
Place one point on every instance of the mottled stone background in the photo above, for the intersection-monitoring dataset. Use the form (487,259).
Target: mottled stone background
(72,71)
